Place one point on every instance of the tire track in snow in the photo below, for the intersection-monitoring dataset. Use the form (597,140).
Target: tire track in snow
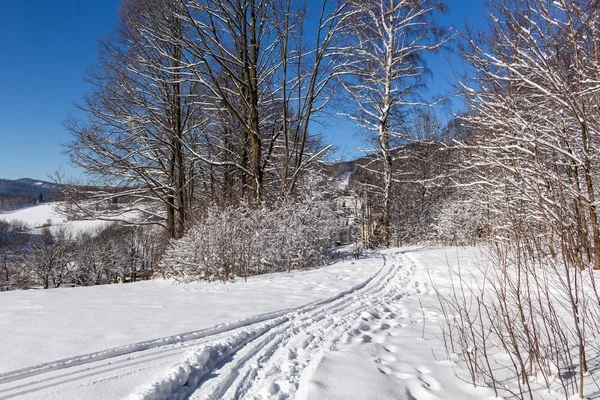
(65,377)
(114,361)
(80,376)
(89,358)
(271,360)
(296,352)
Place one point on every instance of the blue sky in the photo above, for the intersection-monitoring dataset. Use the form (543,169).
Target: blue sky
(46,46)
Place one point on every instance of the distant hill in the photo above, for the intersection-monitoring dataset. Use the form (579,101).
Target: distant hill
(27,186)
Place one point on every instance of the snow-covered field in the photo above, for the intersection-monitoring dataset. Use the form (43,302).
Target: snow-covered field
(41,214)
(351,330)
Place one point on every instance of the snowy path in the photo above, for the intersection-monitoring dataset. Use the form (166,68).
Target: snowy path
(273,359)
(80,373)
(115,372)
(378,340)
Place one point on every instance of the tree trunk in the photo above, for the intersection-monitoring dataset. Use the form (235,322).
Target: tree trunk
(384,135)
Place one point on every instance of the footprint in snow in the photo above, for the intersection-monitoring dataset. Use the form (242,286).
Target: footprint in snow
(292,354)
(274,389)
(430,383)
(386,358)
(272,371)
(423,370)
(385,370)
(390,348)
(404,376)
(384,327)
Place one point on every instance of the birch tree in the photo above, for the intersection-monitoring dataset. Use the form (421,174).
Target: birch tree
(382,71)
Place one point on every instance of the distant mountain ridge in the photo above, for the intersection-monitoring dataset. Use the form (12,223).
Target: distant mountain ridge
(27,186)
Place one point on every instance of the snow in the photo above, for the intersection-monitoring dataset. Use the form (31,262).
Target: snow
(344,180)
(81,326)
(366,329)
(39,215)
(42,214)
(391,352)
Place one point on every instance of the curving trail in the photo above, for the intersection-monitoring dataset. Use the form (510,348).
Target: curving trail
(268,356)
(82,374)
(274,358)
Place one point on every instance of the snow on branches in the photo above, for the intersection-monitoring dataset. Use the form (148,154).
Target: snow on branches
(243,241)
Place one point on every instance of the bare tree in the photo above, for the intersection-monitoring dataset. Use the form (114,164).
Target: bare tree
(531,98)
(199,102)
(50,259)
(383,69)
(534,161)
(264,80)
(12,244)
(139,117)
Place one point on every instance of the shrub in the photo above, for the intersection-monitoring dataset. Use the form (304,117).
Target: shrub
(244,241)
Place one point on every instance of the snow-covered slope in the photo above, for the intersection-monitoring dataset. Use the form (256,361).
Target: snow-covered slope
(76,326)
(42,214)
(364,343)
(351,330)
